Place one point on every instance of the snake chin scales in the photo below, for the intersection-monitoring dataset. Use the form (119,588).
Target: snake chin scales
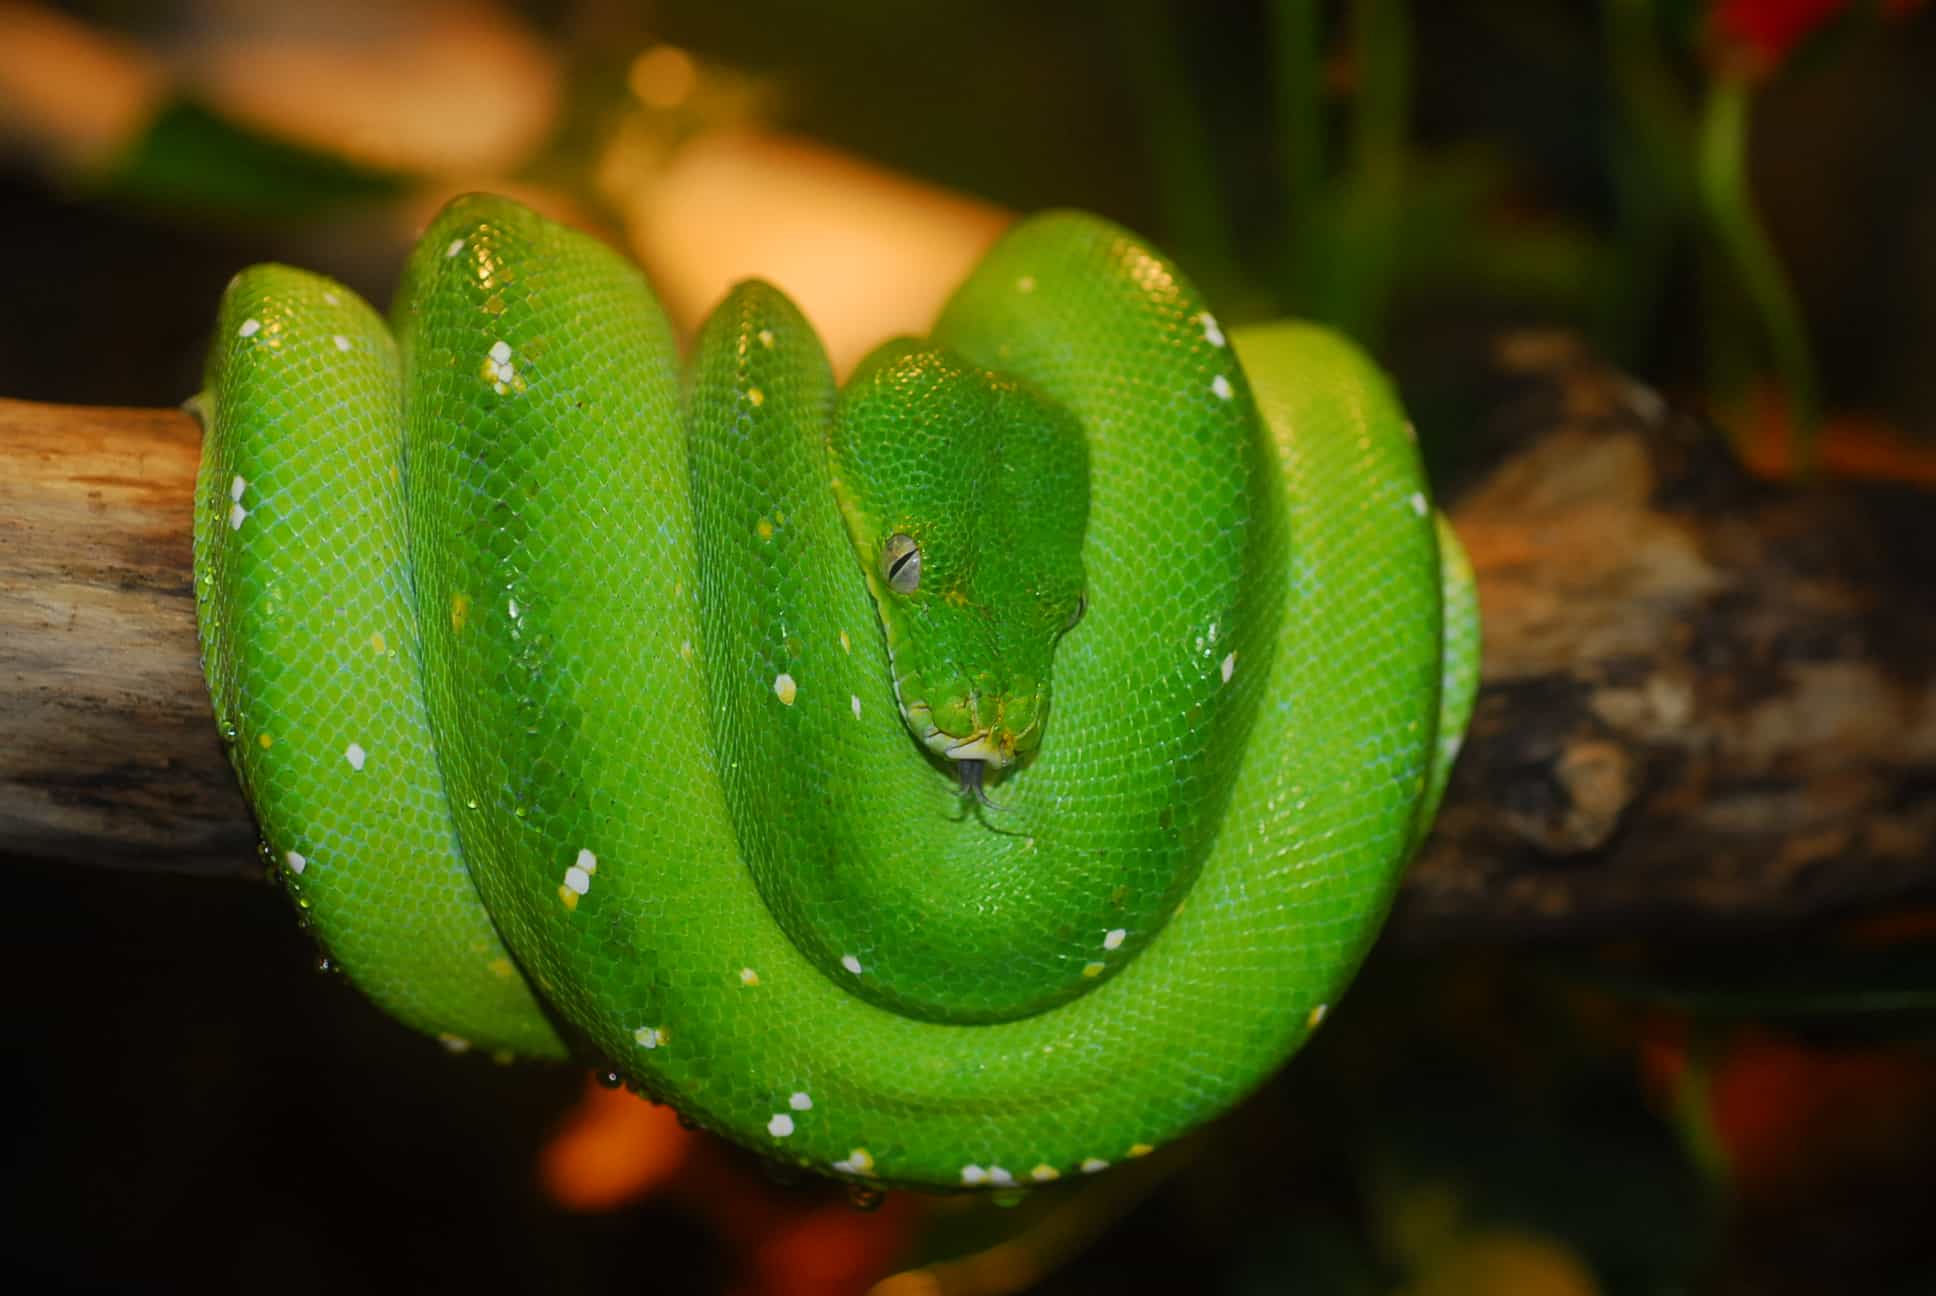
(593,705)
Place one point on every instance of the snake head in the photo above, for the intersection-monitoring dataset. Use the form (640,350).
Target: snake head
(966,495)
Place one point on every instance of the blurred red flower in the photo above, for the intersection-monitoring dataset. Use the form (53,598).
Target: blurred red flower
(1769,30)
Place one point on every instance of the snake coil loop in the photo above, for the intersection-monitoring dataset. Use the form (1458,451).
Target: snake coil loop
(571,718)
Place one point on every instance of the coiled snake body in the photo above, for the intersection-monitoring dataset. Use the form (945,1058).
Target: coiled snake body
(590,704)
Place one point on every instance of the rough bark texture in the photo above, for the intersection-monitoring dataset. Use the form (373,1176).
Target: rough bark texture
(1705,700)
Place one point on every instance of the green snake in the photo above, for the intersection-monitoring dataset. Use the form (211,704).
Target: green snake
(974,774)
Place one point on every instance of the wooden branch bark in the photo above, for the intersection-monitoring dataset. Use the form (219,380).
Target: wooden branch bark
(1705,699)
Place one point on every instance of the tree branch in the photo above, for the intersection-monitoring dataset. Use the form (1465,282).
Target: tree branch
(1705,700)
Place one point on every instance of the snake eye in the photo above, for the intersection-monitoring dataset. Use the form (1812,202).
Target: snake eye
(901,563)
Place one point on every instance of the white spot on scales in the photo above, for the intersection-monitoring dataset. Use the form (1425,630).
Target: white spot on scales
(237,514)
(499,371)
(578,877)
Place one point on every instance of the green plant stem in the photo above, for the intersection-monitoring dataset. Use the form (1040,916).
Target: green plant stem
(1652,173)
(1694,1112)
(1297,38)
(1181,150)
(1728,199)
(1384,56)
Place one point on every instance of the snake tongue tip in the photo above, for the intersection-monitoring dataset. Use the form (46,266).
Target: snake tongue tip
(970,772)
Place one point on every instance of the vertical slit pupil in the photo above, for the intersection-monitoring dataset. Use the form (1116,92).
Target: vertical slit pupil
(904,564)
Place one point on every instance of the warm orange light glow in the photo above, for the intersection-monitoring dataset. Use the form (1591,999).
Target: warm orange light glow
(864,252)
(662,77)
(613,1148)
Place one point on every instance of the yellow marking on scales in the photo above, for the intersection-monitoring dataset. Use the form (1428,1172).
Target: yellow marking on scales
(266,742)
(859,1162)
(460,612)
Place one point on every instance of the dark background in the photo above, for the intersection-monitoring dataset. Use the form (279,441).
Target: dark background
(197,1108)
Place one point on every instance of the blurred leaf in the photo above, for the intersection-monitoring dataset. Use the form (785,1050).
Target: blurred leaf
(191,157)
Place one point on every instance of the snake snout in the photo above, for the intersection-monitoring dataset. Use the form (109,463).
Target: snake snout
(995,727)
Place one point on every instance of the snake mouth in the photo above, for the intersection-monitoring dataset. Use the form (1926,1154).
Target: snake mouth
(983,746)
(996,745)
